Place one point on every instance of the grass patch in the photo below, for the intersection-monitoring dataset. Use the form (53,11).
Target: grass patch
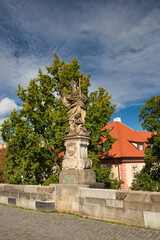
(29,209)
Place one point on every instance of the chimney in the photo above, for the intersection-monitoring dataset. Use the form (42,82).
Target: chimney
(117,119)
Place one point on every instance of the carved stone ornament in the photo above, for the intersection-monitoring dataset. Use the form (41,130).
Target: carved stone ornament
(76,156)
(77,106)
(71,148)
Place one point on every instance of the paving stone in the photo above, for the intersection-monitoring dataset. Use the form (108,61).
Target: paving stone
(19,224)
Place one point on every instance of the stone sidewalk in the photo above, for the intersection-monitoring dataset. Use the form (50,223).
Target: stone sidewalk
(16,224)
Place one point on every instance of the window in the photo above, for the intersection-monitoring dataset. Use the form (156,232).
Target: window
(139,146)
(134,170)
(112,171)
(134,144)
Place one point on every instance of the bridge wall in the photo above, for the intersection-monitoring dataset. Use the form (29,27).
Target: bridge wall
(28,196)
(133,208)
(129,207)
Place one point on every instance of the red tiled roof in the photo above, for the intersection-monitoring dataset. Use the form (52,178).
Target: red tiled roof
(3,144)
(123,147)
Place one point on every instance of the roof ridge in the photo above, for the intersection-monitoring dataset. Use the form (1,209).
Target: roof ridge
(126,126)
(142,131)
(130,127)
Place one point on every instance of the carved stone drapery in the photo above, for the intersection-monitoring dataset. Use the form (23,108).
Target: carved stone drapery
(77,107)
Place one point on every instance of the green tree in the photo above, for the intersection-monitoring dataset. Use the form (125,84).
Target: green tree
(149,178)
(2,165)
(41,121)
(99,113)
(103,174)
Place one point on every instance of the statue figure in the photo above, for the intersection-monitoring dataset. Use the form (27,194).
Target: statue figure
(77,107)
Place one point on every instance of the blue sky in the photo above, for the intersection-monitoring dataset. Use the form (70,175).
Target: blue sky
(117,41)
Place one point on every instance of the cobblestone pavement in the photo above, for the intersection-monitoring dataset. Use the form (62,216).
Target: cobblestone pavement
(22,224)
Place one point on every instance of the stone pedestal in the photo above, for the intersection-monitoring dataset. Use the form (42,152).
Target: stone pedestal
(76,166)
(77,176)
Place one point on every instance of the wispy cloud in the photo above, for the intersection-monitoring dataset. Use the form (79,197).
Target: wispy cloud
(16,71)
(117,41)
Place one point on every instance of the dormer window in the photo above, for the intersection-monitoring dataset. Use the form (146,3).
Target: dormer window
(139,146)
(134,144)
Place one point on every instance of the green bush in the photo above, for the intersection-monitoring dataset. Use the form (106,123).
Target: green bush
(144,182)
(53,179)
(104,175)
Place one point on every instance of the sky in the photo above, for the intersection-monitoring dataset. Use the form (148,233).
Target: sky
(117,41)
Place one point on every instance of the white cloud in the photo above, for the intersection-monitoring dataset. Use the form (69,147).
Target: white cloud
(16,71)
(118,41)
(128,64)
(6,106)
(120,106)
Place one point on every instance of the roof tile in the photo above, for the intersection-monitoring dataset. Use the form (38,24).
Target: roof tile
(123,147)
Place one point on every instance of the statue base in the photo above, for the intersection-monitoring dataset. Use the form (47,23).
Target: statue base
(76,156)
(76,166)
(77,176)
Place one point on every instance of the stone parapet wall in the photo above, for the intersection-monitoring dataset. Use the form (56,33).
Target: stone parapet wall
(129,207)
(28,196)
(67,197)
(133,208)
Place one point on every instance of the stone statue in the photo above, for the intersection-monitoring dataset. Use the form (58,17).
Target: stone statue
(76,166)
(77,106)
